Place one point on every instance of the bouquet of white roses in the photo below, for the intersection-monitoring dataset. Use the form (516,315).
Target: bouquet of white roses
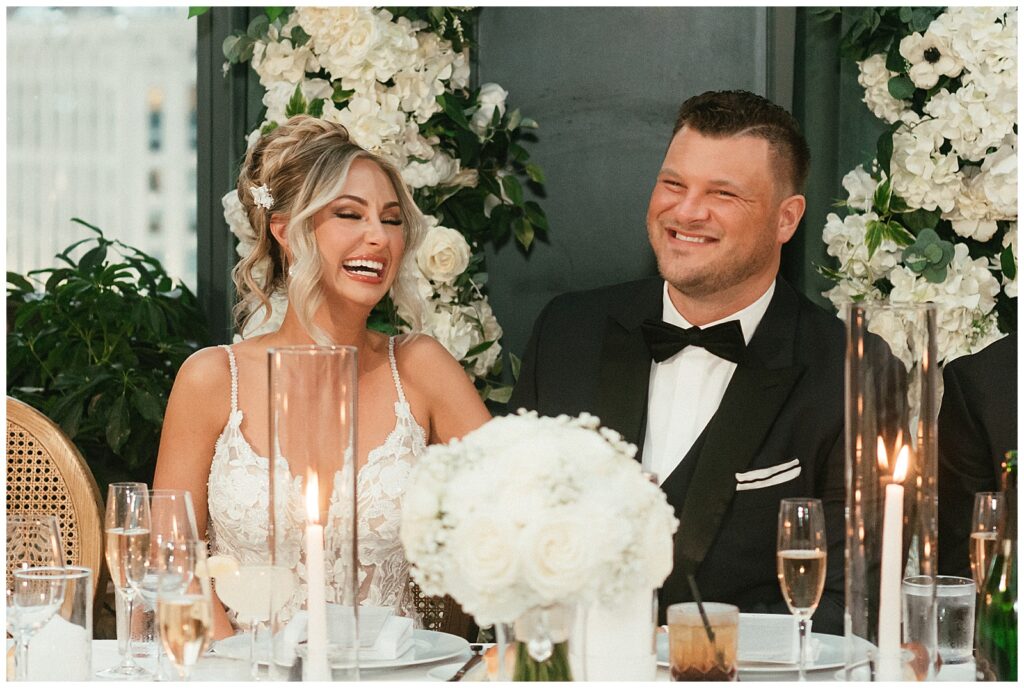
(530,511)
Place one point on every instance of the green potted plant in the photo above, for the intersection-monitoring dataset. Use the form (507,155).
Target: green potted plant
(95,344)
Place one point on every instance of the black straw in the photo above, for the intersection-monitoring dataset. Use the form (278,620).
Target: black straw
(719,658)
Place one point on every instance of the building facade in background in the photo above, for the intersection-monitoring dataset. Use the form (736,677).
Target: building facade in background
(101,125)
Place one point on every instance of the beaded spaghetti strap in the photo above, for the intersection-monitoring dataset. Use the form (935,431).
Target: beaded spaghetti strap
(394,370)
(234,377)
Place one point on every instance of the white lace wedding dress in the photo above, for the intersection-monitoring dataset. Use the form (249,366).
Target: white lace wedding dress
(238,498)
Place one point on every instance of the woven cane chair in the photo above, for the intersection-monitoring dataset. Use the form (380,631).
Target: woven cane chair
(46,474)
(442,614)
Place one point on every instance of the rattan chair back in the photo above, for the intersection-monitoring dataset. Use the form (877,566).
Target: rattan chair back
(442,614)
(46,474)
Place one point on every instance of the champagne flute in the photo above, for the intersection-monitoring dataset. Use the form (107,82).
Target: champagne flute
(37,593)
(170,562)
(984,523)
(127,525)
(801,562)
(185,619)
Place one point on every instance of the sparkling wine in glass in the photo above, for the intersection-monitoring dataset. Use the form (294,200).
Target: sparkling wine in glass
(170,562)
(984,536)
(185,619)
(127,525)
(800,563)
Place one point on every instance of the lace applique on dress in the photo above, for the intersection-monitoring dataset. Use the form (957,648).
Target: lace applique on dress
(238,501)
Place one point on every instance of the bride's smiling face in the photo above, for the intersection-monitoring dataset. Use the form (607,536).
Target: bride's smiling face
(361,237)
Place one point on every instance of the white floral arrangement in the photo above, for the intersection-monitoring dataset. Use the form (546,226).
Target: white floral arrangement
(529,511)
(935,218)
(400,84)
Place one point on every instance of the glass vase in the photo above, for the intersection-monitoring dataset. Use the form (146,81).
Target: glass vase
(542,644)
(313,512)
(891,402)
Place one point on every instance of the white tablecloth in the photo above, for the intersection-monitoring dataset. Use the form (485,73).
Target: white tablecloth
(212,668)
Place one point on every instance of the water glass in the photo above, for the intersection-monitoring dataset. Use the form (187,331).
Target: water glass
(692,655)
(61,650)
(35,596)
(954,609)
(984,523)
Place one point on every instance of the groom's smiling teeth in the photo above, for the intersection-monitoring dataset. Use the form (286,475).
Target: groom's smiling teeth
(688,238)
(363,267)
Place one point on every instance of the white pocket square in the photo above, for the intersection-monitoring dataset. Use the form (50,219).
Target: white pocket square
(766,477)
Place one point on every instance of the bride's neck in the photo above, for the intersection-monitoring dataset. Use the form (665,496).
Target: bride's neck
(343,331)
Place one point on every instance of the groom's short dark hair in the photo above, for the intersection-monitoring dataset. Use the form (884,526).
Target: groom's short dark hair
(731,113)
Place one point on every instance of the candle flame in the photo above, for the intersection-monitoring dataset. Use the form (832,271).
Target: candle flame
(883,459)
(313,498)
(902,464)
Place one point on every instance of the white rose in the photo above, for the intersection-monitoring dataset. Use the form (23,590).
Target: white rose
(439,169)
(555,554)
(492,97)
(447,325)
(483,548)
(444,254)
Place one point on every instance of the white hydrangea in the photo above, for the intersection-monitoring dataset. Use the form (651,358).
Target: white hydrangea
(983,38)
(874,77)
(844,238)
(277,61)
(921,175)
(1010,240)
(969,120)
(280,92)
(860,188)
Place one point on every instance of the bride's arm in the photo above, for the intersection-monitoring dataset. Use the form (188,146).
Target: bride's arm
(197,411)
(439,382)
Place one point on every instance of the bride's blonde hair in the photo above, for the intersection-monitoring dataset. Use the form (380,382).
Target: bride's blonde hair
(303,164)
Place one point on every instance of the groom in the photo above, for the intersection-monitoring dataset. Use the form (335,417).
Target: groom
(748,409)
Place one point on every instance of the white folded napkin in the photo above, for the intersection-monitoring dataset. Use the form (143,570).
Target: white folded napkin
(382,635)
(772,638)
(60,651)
(394,640)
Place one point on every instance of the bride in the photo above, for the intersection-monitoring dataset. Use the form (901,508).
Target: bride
(337,228)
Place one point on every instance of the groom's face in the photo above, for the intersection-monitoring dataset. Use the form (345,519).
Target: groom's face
(713,218)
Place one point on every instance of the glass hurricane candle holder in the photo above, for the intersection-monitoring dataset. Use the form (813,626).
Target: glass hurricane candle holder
(312,511)
(891,414)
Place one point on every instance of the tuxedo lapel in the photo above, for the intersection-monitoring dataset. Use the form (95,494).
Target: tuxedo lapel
(755,395)
(624,370)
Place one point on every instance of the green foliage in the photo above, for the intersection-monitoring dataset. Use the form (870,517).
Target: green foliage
(929,256)
(876,29)
(196,11)
(95,343)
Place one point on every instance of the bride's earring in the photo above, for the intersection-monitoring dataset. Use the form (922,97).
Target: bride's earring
(291,270)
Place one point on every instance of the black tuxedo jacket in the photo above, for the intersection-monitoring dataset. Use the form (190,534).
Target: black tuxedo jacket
(977,426)
(785,402)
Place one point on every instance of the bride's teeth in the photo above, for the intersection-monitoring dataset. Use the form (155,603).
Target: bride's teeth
(364,265)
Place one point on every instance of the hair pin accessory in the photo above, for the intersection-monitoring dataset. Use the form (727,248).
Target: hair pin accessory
(261,196)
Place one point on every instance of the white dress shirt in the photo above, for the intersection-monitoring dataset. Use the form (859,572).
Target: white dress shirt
(686,389)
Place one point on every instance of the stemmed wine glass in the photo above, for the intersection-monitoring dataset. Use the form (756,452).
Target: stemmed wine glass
(37,594)
(127,525)
(984,524)
(32,540)
(185,619)
(800,562)
(169,561)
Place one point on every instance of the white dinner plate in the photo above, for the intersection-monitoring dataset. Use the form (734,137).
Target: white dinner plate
(444,672)
(427,646)
(830,656)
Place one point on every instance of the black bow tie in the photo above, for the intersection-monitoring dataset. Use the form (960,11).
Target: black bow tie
(665,340)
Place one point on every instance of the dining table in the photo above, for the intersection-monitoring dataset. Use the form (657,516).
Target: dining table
(212,667)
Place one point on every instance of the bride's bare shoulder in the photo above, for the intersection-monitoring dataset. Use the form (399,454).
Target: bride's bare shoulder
(205,371)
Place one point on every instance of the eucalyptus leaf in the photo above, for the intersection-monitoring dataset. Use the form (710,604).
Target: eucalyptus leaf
(901,87)
(500,394)
(516,365)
